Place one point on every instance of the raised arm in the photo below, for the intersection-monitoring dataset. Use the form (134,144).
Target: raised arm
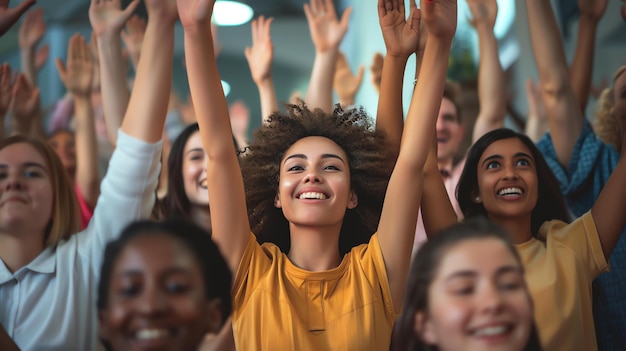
(8,16)
(399,215)
(260,57)
(31,31)
(147,108)
(590,13)
(345,83)
(491,89)
(6,92)
(107,20)
(536,120)
(609,210)
(401,38)
(231,230)
(327,32)
(77,77)
(562,108)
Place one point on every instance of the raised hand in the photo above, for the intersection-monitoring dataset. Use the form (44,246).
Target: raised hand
(483,11)
(6,89)
(133,37)
(107,16)
(261,54)
(195,13)
(32,29)
(439,17)
(24,103)
(376,69)
(327,31)
(401,35)
(8,16)
(345,83)
(77,76)
(592,9)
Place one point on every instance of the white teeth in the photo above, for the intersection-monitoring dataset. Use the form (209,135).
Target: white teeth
(312,195)
(150,334)
(510,191)
(491,331)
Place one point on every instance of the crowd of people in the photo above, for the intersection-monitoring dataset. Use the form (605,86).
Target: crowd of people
(329,229)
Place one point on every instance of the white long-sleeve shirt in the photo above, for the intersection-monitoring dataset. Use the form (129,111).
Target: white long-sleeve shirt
(49,304)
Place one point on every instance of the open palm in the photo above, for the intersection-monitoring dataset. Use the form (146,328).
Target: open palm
(401,36)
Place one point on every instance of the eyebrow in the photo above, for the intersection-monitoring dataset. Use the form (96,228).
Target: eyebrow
(304,157)
(26,164)
(168,271)
(471,274)
(499,157)
(195,149)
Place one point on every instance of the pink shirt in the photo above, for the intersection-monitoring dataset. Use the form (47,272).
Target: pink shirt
(450,183)
(86,212)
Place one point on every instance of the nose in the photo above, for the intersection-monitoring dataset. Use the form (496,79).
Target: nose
(510,172)
(152,302)
(440,123)
(312,177)
(490,300)
(13,182)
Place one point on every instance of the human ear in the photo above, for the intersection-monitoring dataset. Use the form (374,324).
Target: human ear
(353,201)
(423,328)
(213,314)
(277,203)
(476,198)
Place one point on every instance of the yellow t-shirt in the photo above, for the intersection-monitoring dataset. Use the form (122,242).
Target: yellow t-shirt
(561,263)
(278,306)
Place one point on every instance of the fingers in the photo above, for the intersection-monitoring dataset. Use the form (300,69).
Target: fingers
(61,69)
(360,74)
(345,18)
(24,6)
(128,11)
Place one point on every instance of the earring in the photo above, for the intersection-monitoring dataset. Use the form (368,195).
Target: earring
(477,199)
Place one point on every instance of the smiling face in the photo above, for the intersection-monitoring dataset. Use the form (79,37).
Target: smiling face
(477,301)
(194,171)
(26,192)
(507,179)
(314,187)
(156,298)
(449,131)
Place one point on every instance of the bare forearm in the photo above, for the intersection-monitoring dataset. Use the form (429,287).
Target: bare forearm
(389,117)
(267,94)
(87,177)
(115,93)
(148,105)
(582,66)
(320,92)
(491,90)
(562,108)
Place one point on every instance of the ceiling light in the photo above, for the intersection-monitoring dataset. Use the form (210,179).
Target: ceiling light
(231,13)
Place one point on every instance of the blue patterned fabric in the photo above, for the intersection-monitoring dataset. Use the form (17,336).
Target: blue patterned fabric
(591,164)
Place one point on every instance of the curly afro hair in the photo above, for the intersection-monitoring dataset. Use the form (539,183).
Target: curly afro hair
(370,169)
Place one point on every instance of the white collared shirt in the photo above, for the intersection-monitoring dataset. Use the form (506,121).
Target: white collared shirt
(49,304)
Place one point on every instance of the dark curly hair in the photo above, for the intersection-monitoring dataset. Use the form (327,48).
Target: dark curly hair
(370,169)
